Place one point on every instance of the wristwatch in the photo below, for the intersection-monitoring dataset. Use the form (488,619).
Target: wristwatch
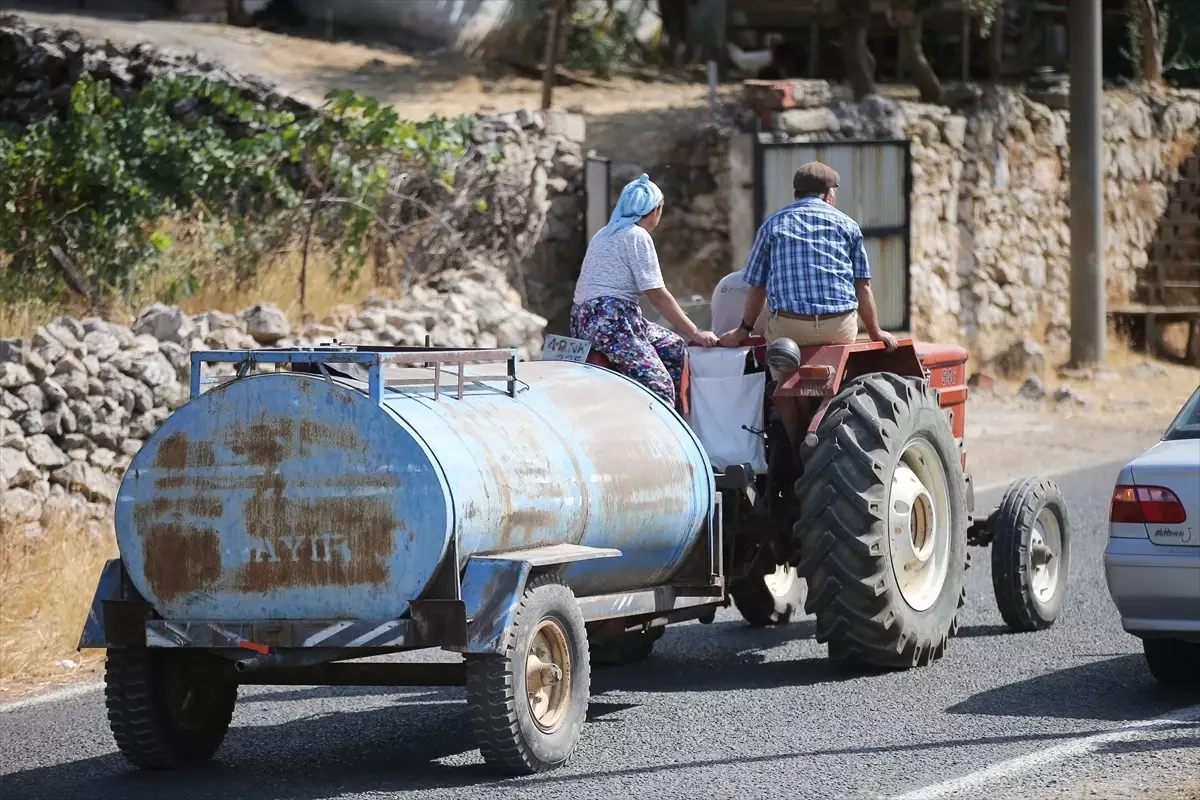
(746,327)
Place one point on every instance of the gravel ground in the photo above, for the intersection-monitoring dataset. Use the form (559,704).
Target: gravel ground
(718,712)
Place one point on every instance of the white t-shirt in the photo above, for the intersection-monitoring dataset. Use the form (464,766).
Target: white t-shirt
(622,265)
(729,304)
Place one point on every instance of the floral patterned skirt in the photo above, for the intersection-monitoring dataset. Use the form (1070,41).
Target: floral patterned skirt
(646,352)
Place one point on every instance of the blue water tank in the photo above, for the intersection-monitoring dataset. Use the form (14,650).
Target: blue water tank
(294,496)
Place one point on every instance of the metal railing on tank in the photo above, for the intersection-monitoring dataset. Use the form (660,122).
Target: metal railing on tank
(325,360)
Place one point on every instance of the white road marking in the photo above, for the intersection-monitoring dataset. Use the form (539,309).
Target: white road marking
(1071,749)
(52,697)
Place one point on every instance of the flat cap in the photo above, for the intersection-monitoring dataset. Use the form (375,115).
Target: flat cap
(815,178)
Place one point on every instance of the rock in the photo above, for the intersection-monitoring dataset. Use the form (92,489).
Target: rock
(154,370)
(230,339)
(798,122)
(47,347)
(1067,395)
(43,452)
(11,435)
(16,470)
(12,403)
(85,417)
(31,422)
(77,441)
(14,376)
(1147,371)
(130,447)
(75,384)
(58,422)
(87,480)
(1024,357)
(33,397)
(20,507)
(164,323)
(107,435)
(266,323)
(38,368)
(102,457)
(101,343)
(1032,389)
(142,426)
(179,357)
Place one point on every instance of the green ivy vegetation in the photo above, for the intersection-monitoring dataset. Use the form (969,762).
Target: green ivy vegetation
(97,182)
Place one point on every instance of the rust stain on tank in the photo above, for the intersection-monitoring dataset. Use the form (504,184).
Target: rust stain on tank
(177,453)
(318,541)
(180,558)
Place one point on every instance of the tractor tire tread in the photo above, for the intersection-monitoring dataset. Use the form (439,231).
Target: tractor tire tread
(841,531)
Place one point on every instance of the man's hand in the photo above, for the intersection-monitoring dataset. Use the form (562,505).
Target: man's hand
(733,338)
(888,340)
(705,339)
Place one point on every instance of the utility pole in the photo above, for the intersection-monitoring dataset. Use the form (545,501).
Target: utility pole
(1089,324)
(558,15)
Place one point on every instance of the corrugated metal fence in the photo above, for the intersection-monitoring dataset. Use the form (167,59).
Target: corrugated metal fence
(876,178)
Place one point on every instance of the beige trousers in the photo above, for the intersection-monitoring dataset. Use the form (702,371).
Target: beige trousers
(809,332)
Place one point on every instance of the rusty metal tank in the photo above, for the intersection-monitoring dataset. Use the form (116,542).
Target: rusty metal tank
(299,496)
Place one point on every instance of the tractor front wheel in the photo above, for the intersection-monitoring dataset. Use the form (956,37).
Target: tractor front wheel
(883,524)
(770,594)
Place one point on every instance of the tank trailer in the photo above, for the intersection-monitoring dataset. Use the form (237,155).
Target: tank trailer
(541,518)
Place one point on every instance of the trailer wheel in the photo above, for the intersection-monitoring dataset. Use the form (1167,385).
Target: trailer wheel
(527,706)
(164,711)
(883,524)
(1031,554)
(770,594)
(626,648)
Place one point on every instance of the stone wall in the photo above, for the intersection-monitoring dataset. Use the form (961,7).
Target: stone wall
(79,397)
(990,200)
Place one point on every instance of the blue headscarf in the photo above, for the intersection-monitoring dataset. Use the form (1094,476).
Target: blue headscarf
(638,199)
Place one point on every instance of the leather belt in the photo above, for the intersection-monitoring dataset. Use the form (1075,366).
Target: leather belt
(812,317)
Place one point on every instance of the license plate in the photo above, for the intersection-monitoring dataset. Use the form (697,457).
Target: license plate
(564,348)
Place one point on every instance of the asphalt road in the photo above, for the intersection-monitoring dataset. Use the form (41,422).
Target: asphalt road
(719,711)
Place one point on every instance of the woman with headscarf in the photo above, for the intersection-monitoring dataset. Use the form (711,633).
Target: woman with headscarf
(621,264)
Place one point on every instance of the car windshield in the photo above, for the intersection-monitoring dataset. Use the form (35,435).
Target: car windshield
(1186,424)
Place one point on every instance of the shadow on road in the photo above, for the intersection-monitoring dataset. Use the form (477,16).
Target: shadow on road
(1118,689)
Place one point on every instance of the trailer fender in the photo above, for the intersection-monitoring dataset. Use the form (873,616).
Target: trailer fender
(492,586)
(108,588)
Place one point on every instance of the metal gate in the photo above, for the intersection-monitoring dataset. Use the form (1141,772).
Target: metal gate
(876,182)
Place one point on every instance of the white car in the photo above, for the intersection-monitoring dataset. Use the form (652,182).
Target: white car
(1152,562)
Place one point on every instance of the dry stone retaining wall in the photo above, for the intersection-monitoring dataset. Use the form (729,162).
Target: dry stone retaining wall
(79,397)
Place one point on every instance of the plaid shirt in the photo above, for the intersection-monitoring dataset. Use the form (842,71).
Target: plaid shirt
(808,256)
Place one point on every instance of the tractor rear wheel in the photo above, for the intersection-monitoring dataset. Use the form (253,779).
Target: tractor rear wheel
(883,524)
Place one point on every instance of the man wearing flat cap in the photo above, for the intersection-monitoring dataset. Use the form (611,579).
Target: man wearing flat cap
(809,266)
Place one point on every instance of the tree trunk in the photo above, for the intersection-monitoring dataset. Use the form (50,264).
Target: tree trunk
(911,26)
(234,12)
(996,49)
(856,52)
(674,23)
(1152,49)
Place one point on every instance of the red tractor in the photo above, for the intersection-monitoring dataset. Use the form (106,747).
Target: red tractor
(865,502)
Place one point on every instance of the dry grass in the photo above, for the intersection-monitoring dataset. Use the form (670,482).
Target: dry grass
(46,588)
(277,281)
